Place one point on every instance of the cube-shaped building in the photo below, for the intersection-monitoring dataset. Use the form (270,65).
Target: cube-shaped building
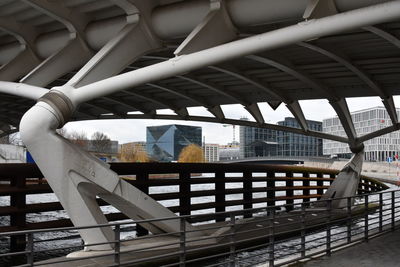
(165,143)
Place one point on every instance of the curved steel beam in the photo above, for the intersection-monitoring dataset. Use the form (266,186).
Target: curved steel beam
(293,106)
(27,59)
(252,108)
(119,101)
(317,28)
(339,105)
(106,109)
(213,109)
(387,100)
(206,84)
(384,34)
(180,111)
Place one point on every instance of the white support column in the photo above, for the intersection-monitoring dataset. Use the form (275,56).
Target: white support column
(27,59)
(77,177)
(69,58)
(133,41)
(215,29)
(346,183)
(320,8)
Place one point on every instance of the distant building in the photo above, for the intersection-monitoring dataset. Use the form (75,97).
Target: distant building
(257,142)
(298,145)
(229,152)
(365,121)
(260,142)
(211,152)
(133,152)
(105,150)
(140,146)
(12,154)
(165,143)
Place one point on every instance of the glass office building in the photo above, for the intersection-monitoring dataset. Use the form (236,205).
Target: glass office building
(258,142)
(165,143)
(298,145)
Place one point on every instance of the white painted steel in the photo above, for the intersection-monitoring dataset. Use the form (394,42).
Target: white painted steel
(22,90)
(345,184)
(77,177)
(262,42)
(179,19)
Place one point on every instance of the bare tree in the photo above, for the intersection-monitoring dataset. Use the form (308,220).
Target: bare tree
(79,138)
(101,142)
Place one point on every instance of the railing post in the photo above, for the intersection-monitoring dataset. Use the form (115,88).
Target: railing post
(366,221)
(117,244)
(320,184)
(349,221)
(30,259)
(18,200)
(184,193)
(393,210)
(247,193)
(232,261)
(182,257)
(303,230)
(306,191)
(271,245)
(143,179)
(380,211)
(328,227)
(220,195)
(270,189)
(289,192)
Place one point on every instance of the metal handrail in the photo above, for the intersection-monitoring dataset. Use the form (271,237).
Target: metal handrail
(386,216)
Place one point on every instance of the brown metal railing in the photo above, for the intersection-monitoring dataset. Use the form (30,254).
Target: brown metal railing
(276,238)
(240,186)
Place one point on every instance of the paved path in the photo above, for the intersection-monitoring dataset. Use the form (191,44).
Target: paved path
(383,251)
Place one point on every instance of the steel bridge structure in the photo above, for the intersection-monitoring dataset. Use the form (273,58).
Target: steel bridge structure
(112,59)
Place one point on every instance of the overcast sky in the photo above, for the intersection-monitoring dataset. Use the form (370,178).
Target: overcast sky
(135,130)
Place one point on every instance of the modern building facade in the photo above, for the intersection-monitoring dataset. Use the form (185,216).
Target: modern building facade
(298,145)
(165,143)
(211,152)
(365,121)
(259,142)
(230,151)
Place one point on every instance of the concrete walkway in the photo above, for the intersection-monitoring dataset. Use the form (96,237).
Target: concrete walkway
(382,251)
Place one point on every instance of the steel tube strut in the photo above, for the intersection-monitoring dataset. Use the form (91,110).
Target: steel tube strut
(301,32)
(77,177)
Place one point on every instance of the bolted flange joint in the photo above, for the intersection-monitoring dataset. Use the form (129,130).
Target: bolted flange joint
(61,104)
